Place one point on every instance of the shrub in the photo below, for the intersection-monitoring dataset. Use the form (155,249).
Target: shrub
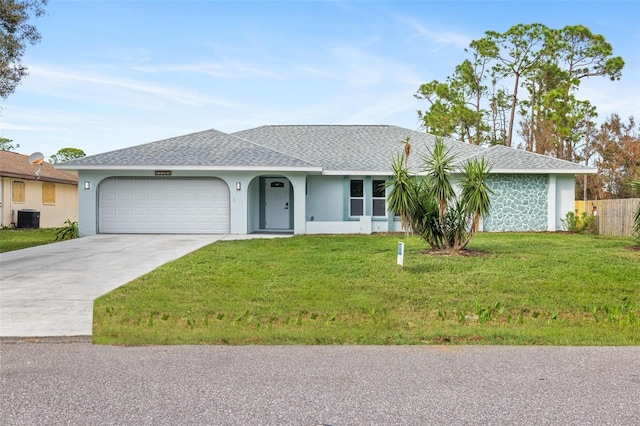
(580,224)
(67,232)
(636,217)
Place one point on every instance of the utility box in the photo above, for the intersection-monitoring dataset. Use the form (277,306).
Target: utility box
(28,218)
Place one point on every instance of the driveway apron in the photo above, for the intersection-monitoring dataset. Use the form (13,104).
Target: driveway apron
(49,290)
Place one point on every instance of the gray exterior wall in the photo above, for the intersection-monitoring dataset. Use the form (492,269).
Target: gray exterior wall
(242,219)
(521,202)
(325,196)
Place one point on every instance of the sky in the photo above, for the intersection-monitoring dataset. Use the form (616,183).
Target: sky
(113,74)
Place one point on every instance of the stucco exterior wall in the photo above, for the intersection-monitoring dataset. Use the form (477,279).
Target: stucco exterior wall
(325,195)
(52,215)
(328,212)
(242,218)
(520,202)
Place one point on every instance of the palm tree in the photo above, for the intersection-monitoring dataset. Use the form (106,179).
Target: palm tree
(429,206)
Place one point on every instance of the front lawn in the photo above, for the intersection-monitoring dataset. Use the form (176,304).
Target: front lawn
(523,289)
(17,239)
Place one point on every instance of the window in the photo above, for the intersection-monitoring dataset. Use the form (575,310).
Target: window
(17,192)
(378,199)
(356,198)
(48,193)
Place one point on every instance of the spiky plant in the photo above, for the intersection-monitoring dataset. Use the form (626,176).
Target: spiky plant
(429,206)
(67,232)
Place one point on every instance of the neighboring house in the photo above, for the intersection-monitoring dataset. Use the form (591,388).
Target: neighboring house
(54,193)
(300,179)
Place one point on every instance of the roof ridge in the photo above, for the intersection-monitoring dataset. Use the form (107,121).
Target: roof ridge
(153,142)
(321,125)
(271,149)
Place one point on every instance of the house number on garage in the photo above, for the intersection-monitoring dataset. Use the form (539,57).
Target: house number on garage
(163,172)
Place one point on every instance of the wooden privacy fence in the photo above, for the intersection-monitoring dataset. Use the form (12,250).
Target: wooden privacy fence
(614,217)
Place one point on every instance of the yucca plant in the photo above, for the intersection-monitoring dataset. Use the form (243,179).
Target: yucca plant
(402,198)
(429,206)
(438,165)
(475,194)
(67,232)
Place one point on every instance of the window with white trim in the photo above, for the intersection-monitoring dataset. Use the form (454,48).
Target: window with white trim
(356,198)
(378,202)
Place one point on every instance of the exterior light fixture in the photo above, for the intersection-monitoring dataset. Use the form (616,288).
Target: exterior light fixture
(238,186)
(87,184)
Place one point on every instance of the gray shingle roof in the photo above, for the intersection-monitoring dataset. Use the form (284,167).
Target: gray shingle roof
(372,148)
(336,148)
(209,148)
(366,149)
(505,159)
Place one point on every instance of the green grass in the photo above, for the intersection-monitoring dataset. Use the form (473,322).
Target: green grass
(16,239)
(525,289)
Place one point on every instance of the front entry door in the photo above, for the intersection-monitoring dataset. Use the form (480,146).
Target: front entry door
(276,203)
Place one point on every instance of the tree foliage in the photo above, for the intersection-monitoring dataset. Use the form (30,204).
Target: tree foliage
(7,145)
(543,69)
(66,154)
(429,206)
(15,33)
(616,150)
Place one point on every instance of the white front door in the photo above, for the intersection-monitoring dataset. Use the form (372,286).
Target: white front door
(277,203)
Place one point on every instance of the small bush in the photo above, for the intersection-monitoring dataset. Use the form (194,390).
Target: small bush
(580,224)
(67,232)
(636,216)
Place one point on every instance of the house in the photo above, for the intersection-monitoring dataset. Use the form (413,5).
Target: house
(52,193)
(300,179)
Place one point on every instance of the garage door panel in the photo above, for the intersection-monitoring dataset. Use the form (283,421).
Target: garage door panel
(130,205)
(173,197)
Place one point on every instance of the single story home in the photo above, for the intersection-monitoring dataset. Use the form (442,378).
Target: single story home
(50,194)
(304,179)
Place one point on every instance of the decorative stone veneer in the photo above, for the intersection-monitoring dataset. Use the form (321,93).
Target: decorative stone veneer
(519,203)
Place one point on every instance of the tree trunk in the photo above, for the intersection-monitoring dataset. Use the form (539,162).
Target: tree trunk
(514,102)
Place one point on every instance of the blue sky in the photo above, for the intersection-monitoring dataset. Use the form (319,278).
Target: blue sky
(112,74)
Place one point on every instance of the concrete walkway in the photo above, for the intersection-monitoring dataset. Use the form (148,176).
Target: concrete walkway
(49,290)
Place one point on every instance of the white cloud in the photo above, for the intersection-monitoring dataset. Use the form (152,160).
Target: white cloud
(212,69)
(439,38)
(226,69)
(56,77)
(360,68)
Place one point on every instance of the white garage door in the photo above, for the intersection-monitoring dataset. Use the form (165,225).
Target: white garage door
(163,206)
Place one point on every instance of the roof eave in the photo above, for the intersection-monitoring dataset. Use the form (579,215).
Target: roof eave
(41,178)
(194,168)
(356,173)
(577,171)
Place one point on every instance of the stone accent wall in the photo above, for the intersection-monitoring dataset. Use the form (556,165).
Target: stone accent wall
(519,203)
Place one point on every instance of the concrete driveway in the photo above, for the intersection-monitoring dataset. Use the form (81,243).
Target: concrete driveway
(49,290)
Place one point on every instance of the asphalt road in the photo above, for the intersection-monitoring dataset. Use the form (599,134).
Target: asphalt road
(61,382)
